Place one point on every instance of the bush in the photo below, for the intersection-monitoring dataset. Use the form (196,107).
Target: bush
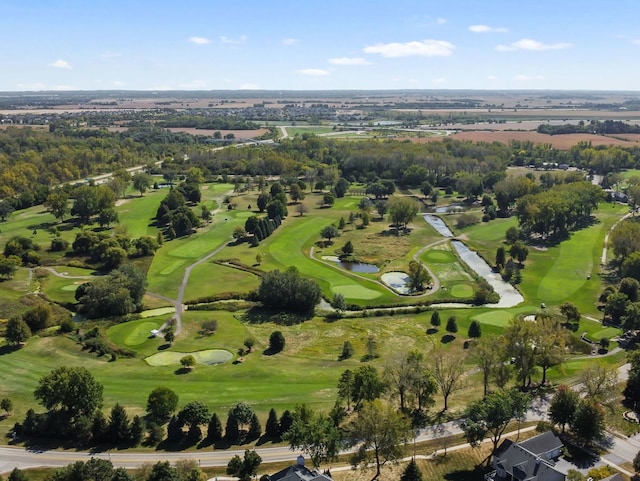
(466,220)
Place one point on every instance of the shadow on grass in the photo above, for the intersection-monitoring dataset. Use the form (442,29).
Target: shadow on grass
(260,315)
(8,349)
(465,475)
(182,370)
(447,338)
(163,347)
(432,330)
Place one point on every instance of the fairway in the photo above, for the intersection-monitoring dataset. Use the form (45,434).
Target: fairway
(209,357)
(355,291)
(161,311)
(133,333)
(139,334)
(572,266)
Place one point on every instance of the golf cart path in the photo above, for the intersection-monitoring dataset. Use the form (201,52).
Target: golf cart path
(176,319)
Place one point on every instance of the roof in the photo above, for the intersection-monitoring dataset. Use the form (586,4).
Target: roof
(526,461)
(543,443)
(298,473)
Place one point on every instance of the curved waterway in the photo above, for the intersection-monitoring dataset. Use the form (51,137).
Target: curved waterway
(509,295)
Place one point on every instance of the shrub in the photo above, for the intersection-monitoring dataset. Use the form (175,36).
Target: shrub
(276,342)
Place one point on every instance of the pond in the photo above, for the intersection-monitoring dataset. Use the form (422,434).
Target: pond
(438,224)
(449,208)
(359,267)
(398,281)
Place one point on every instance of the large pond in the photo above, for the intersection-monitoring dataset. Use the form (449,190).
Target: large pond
(509,295)
(359,267)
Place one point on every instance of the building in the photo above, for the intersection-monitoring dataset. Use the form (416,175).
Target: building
(299,472)
(530,460)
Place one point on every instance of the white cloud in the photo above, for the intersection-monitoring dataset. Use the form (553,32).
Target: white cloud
(199,40)
(233,41)
(61,64)
(486,29)
(441,21)
(439,81)
(492,77)
(314,72)
(32,86)
(289,41)
(533,45)
(249,87)
(426,48)
(118,83)
(349,61)
(636,41)
(525,78)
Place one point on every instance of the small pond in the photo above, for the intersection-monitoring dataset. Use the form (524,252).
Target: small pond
(360,267)
(449,208)
(398,281)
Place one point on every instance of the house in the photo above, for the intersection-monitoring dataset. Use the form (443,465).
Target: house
(530,460)
(298,472)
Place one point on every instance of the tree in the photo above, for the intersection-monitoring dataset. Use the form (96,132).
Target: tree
(550,344)
(475,330)
(570,311)
(329,232)
(347,351)
(17,475)
(435,318)
(255,428)
(58,204)
(339,303)
(136,430)
(118,424)
(598,383)
(452,325)
(408,378)
(380,432)
(589,421)
(163,471)
(491,416)
(244,468)
(563,406)
(141,182)
(485,356)
(169,336)
(106,217)
(161,403)
(345,387)
(73,390)
(367,385)
(341,187)
(301,209)
(288,290)
(17,331)
(519,251)
(276,342)
(6,405)
(447,368)
(6,208)
(347,248)
(214,429)
(194,414)
(272,428)
(188,362)
(402,211)
(315,435)
(636,462)
(411,472)
(519,341)
(418,276)
(501,258)
(296,193)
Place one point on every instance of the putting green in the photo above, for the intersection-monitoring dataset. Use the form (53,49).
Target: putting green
(139,334)
(161,311)
(70,287)
(461,290)
(356,292)
(438,256)
(494,318)
(209,357)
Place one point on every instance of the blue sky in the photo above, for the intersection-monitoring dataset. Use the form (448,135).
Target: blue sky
(319,44)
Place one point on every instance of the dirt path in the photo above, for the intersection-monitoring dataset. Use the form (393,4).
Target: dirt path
(603,260)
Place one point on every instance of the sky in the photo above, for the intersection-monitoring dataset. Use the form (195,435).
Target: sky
(319,44)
